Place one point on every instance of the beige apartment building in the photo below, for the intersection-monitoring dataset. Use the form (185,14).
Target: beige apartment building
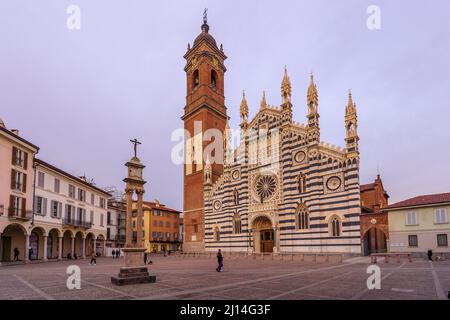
(45,212)
(420,224)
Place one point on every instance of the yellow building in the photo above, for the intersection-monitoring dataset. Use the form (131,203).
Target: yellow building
(420,224)
(161,227)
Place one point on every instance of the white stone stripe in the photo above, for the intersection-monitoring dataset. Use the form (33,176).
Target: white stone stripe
(242,283)
(34,288)
(360,294)
(122,293)
(437,284)
(308,286)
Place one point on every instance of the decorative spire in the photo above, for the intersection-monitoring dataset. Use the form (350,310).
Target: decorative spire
(244,106)
(286,87)
(312,95)
(351,128)
(189,46)
(313,114)
(2,124)
(263,101)
(351,106)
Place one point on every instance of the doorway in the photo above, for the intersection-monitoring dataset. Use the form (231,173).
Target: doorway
(267,240)
(374,241)
(6,250)
(263,235)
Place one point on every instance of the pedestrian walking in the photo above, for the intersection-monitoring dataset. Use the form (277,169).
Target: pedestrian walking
(30,253)
(16,255)
(430,255)
(93,259)
(114,252)
(219,261)
(145,257)
(118,253)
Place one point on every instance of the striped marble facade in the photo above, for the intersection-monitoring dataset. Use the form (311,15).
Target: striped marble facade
(283,190)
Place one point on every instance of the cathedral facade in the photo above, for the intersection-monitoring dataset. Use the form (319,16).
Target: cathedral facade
(282,190)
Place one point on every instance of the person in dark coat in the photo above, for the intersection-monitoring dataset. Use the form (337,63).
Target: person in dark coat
(219,261)
(30,253)
(430,255)
(93,259)
(16,255)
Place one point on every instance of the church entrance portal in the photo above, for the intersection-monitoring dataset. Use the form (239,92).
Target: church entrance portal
(263,235)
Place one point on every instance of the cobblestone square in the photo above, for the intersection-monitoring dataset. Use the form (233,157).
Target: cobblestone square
(243,278)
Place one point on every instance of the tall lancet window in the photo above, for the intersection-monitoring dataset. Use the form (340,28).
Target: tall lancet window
(236,196)
(302,217)
(301,183)
(335,227)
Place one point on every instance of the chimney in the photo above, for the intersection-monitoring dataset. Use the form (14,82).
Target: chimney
(15,131)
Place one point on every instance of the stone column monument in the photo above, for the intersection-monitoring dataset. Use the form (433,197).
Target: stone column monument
(134,271)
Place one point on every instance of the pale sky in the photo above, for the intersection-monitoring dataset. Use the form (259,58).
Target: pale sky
(80,95)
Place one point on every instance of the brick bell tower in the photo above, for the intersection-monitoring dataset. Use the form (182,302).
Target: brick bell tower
(205,109)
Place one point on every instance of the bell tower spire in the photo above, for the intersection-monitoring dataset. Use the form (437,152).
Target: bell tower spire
(205,109)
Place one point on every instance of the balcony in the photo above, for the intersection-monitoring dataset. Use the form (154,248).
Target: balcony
(77,223)
(14,213)
(121,238)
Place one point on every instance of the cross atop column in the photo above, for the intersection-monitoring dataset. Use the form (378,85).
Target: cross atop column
(136,143)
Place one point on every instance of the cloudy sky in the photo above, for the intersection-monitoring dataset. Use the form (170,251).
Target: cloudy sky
(82,94)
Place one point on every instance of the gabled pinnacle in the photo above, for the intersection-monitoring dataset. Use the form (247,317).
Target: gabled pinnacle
(351,106)
(263,101)
(312,95)
(286,87)
(244,105)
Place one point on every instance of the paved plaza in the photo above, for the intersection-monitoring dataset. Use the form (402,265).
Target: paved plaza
(242,278)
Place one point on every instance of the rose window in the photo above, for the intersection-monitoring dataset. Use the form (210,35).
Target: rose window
(266,186)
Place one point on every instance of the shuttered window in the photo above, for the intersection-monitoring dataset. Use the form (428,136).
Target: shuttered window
(57,185)
(71,191)
(40,206)
(41,179)
(440,216)
(19,158)
(411,218)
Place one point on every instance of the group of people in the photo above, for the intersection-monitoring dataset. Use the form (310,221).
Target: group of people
(116,253)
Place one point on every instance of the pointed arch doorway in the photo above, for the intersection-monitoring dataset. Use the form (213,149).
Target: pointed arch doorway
(263,235)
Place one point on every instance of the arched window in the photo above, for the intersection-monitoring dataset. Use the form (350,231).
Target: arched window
(213,79)
(237,225)
(302,217)
(195,79)
(301,183)
(236,196)
(335,227)
(216,234)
